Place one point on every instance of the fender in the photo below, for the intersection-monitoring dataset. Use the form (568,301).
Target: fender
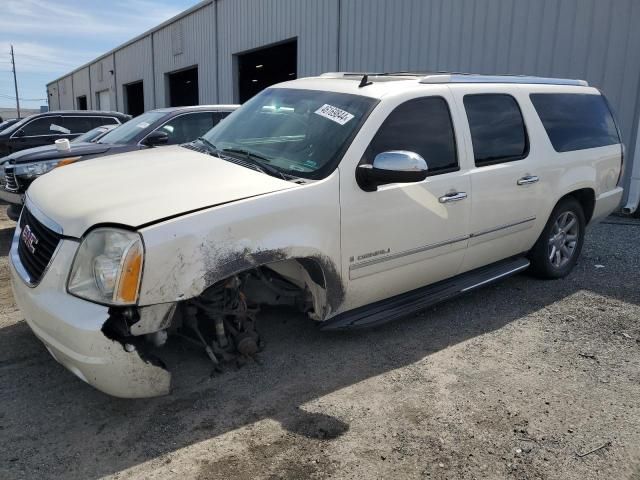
(186,255)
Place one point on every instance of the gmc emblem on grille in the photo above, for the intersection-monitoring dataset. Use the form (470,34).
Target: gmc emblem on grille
(29,239)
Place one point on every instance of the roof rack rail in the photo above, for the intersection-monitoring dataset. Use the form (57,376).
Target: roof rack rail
(474,78)
(457,77)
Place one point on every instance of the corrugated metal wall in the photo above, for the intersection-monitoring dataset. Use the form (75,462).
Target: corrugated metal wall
(134,63)
(102,79)
(596,40)
(65,90)
(592,39)
(198,34)
(249,24)
(81,86)
(52,91)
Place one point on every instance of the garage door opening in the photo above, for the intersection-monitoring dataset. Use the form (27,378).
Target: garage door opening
(183,88)
(81,102)
(134,98)
(261,68)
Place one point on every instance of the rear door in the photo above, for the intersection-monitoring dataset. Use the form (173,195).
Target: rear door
(75,126)
(505,178)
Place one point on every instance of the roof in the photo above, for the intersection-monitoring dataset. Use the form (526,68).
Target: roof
(197,107)
(83,112)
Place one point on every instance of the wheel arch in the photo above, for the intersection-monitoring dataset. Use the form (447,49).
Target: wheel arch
(586,197)
(315,271)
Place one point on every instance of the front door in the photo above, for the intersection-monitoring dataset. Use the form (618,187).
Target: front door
(403,236)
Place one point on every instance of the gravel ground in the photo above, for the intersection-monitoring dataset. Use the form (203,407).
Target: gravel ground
(513,381)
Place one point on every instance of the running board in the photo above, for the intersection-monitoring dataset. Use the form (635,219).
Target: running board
(407,303)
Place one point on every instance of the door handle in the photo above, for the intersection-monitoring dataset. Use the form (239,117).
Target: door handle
(527,180)
(452,197)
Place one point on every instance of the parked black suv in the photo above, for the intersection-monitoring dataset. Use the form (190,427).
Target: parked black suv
(165,126)
(46,128)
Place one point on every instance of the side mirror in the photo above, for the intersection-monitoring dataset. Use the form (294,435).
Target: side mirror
(156,138)
(19,133)
(395,166)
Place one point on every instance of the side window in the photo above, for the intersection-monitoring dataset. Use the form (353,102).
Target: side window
(576,121)
(424,126)
(43,126)
(77,124)
(188,127)
(498,132)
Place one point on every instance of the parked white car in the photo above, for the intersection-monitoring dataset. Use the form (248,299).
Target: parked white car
(357,199)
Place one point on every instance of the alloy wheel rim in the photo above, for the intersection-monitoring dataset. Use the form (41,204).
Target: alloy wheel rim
(563,239)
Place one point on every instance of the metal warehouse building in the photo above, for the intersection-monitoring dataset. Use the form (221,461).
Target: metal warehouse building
(224,51)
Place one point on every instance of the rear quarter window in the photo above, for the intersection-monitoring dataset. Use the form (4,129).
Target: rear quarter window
(576,121)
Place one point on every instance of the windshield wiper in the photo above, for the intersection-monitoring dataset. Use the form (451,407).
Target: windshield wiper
(258,161)
(247,154)
(210,146)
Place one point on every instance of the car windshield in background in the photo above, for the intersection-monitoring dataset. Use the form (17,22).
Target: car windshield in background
(130,130)
(91,135)
(15,126)
(299,132)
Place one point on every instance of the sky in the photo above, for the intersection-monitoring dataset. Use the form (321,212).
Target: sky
(51,38)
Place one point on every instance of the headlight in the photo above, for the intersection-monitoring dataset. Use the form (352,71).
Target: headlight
(33,170)
(108,267)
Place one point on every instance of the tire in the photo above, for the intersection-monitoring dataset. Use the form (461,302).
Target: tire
(13,212)
(557,250)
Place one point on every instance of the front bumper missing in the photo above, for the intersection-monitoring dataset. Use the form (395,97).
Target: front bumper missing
(71,329)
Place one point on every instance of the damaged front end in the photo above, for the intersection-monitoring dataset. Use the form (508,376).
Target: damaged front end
(220,322)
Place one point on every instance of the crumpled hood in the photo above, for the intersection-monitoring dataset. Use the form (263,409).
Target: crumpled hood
(142,187)
(50,152)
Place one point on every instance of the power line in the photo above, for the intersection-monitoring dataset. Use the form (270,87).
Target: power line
(9,97)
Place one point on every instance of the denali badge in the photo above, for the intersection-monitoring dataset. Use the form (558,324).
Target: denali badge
(29,239)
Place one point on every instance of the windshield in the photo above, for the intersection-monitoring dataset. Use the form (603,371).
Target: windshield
(5,124)
(130,130)
(302,133)
(15,126)
(91,135)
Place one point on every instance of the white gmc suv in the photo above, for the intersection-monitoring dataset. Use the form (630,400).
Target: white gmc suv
(356,198)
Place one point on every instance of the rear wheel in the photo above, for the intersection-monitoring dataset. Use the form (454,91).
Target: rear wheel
(557,250)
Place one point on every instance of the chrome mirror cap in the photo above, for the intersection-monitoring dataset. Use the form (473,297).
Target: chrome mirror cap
(400,161)
(394,166)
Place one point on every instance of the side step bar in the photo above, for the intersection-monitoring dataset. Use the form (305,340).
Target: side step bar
(407,303)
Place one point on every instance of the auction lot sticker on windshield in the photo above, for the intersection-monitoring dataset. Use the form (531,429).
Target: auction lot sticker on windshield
(142,125)
(334,113)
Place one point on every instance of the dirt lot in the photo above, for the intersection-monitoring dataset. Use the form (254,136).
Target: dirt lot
(513,381)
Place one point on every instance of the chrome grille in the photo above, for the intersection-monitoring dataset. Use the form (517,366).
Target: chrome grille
(36,248)
(10,181)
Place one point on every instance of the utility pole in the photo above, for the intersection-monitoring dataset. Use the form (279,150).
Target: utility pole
(15,81)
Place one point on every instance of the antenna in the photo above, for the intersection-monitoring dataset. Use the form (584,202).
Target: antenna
(365,81)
